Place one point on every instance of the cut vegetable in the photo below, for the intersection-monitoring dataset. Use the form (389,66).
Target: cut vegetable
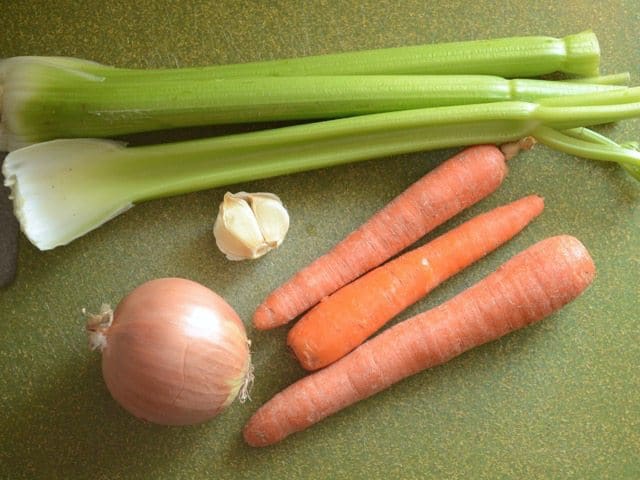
(64,188)
(49,98)
(527,288)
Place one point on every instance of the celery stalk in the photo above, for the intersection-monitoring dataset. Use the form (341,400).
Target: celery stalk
(523,56)
(63,189)
(46,98)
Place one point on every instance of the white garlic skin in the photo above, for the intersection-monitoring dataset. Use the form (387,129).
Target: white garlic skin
(249,225)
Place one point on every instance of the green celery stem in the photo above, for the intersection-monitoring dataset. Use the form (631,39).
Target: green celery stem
(523,56)
(577,54)
(85,107)
(199,164)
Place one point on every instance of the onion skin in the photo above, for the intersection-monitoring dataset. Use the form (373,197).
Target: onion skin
(176,353)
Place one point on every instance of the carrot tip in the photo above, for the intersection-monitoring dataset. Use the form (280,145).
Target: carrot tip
(263,318)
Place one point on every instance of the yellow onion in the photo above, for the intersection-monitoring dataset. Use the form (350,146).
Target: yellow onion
(173,352)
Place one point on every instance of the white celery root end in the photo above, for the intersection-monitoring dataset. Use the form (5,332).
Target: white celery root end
(59,191)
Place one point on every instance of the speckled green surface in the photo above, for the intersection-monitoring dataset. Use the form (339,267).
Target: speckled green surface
(557,400)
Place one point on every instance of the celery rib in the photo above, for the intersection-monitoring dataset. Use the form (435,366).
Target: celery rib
(525,56)
(521,56)
(65,188)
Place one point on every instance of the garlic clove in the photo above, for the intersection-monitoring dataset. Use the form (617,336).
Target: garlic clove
(249,225)
(272,217)
(236,229)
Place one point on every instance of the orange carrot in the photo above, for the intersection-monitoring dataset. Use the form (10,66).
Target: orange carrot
(342,321)
(527,288)
(448,189)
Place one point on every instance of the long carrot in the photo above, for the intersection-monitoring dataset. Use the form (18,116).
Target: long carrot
(448,189)
(527,288)
(345,319)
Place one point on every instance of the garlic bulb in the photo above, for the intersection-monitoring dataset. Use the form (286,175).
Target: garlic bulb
(249,225)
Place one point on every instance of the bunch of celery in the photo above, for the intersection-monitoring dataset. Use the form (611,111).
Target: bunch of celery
(64,188)
(45,98)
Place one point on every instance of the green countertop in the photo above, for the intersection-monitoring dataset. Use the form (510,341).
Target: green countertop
(557,400)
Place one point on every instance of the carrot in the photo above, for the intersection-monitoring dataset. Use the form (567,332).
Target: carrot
(527,288)
(342,321)
(448,189)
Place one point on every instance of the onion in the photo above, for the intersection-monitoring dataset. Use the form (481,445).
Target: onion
(173,352)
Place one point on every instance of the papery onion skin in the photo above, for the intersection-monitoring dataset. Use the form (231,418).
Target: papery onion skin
(176,353)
